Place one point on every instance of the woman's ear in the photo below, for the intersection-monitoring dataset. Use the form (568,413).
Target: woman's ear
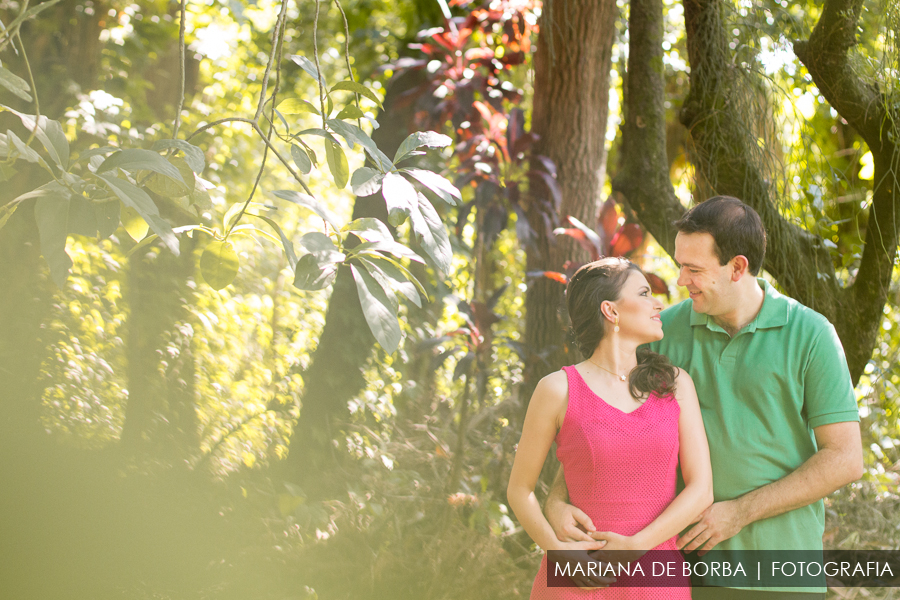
(609,311)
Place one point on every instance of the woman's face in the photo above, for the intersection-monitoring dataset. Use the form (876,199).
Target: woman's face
(638,310)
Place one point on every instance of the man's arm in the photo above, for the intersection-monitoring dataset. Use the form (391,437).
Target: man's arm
(838,462)
(569,523)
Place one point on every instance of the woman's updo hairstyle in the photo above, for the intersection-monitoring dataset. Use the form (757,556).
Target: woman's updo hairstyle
(592,285)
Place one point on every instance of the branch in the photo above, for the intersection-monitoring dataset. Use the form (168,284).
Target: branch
(729,160)
(181,27)
(826,56)
(644,175)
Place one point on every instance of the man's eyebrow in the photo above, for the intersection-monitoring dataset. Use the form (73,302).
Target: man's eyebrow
(689,265)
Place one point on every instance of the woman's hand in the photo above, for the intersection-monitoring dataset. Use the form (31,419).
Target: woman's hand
(619,548)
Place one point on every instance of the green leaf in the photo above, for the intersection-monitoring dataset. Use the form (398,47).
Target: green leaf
(50,134)
(378,310)
(366,181)
(358,88)
(93,219)
(389,246)
(301,159)
(25,152)
(390,276)
(350,112)
(192,154)
(285,242)
(319,132)
(108,216)
(134,223)
(337,164)
(6,211)
(355,135)
(136,159)
(219,264)
(309,151)
(310,275)
(441,186)
(369,229)
(431,233)
(321,246)
(287,128)
(310,203)
(400,197)
(295,106)
(429,139)
(172,188)
(138,199)
(199,198)
(308,66)
(51,212)
(247,229)
(15,84)
(87,154)
(7,171)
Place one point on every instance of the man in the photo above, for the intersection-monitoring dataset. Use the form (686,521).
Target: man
(775,392)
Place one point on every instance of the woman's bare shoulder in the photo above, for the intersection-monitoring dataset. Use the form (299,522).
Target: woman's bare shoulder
(684,386)
(555,384)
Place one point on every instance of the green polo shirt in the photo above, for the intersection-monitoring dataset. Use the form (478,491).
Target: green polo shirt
(762,392)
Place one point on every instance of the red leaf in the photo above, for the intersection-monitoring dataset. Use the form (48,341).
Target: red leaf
(483,109)
(626,239)
(479,54)
(596,248)
(608,221)
(560,277)
(657,285)
(582,240)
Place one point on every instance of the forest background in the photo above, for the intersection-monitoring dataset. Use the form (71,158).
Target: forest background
(279,277)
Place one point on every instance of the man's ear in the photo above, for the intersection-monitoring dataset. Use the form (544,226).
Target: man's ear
(740,267)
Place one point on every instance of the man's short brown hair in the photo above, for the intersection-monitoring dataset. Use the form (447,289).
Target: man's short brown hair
(735,227)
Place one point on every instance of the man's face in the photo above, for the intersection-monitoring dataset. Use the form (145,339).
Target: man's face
(708,282)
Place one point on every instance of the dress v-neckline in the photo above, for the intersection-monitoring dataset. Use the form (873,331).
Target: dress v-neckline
(604,402)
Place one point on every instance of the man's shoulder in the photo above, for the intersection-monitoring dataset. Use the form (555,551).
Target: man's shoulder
(803,318)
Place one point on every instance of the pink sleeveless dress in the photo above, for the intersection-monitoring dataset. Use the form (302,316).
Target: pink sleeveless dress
(621,470)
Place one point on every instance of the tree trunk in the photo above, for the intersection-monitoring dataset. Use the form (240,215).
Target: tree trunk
(160,417)
(643,179)
(25,301)
(571,96)
(335,374)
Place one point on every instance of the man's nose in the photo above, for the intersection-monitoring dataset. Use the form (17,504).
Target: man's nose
(682,278)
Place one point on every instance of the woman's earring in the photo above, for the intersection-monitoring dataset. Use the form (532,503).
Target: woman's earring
(616,328)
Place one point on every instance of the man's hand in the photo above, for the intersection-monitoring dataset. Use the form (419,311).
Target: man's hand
(575,553)
(570,524)
(719,522)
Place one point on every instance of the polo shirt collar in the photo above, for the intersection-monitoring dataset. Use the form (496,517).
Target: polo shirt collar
(774,311)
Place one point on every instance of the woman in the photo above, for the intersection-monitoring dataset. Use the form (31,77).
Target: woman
(622,421)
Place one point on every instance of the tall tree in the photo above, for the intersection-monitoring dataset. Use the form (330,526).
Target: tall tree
(571,97)
(726,154)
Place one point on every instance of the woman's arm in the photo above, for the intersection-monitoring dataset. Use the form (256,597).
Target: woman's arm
(696,471)
(545,414)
